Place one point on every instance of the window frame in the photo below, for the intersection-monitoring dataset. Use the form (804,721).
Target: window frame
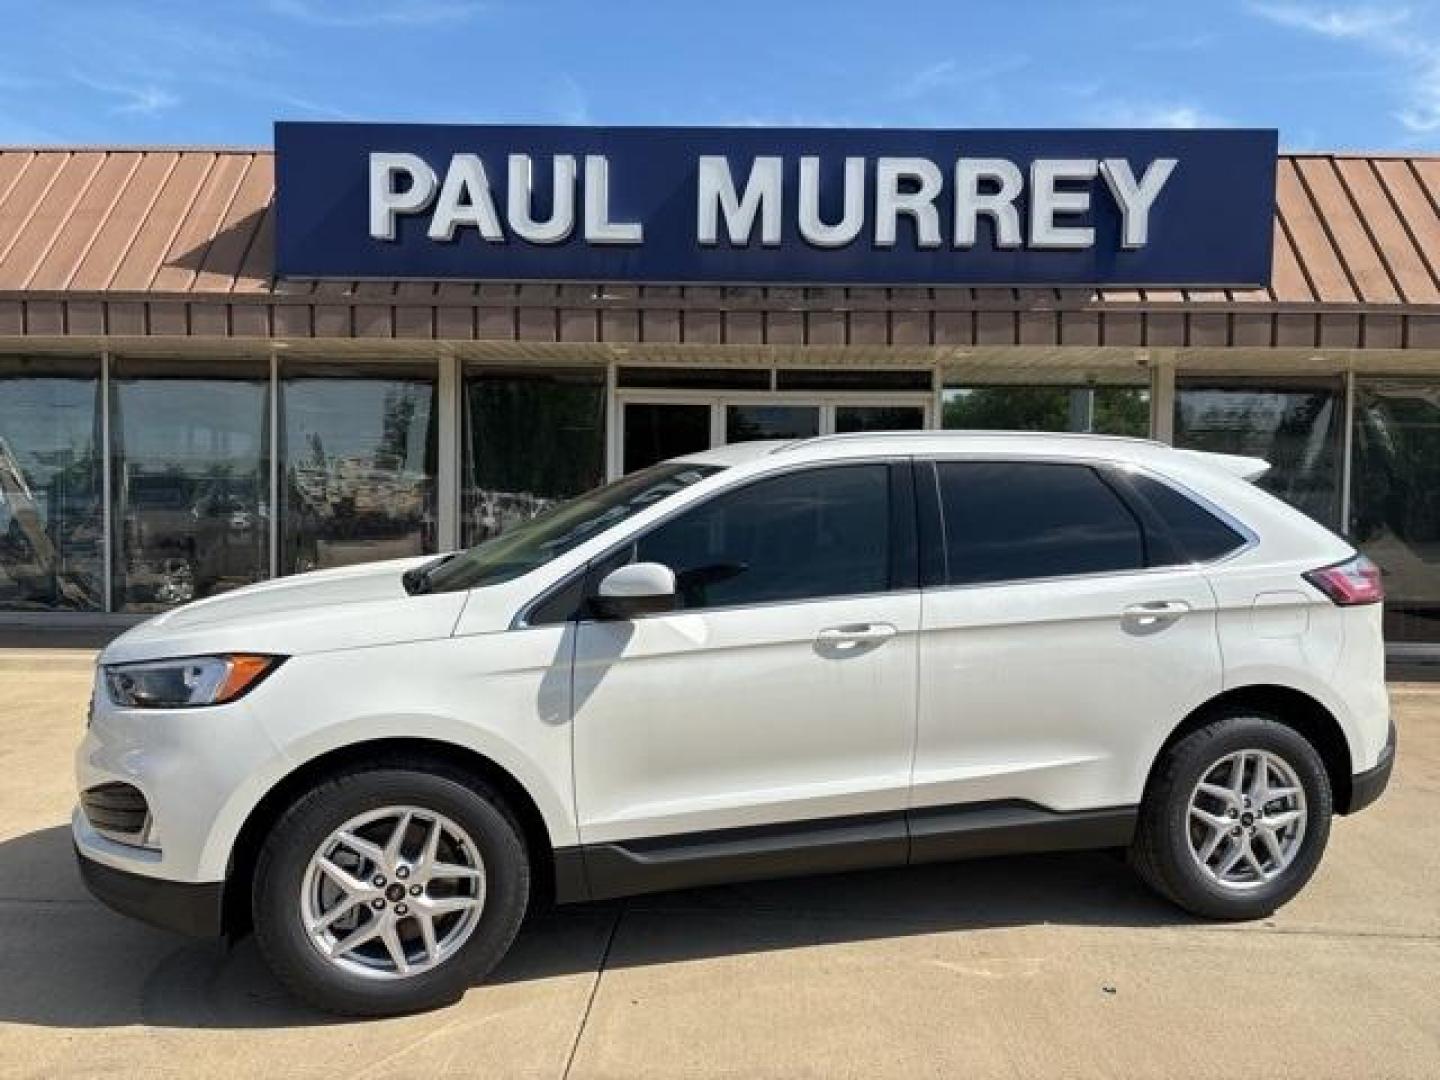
(904,573)
(1157,539)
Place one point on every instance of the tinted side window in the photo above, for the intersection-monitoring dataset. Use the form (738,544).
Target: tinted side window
(1010,521)
(813,533)
(1200,534)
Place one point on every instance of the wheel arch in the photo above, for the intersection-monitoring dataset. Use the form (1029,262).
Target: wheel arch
(1294,708)
(401,751)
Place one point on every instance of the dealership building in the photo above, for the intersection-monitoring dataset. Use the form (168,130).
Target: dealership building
(430,333)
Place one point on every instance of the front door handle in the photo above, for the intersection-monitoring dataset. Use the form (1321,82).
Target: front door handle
(853,634)
(1155,613)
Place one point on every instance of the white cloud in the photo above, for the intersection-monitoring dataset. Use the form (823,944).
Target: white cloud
(1389,32)
(1155,115)
(131,99)
(362,13)
(570,102)
(951,74)
(1341,23)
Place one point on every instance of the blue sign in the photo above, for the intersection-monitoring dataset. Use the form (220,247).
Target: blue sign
(771,206)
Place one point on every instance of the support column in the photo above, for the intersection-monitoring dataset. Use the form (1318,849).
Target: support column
(448,471)
(107,531)
(1162,398)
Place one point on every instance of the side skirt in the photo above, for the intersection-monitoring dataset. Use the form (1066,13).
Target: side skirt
(794,849)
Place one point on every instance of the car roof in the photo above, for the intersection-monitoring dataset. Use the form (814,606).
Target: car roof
(1116,448)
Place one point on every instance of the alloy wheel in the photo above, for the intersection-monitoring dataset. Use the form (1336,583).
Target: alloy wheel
(393,892)
(1246,819)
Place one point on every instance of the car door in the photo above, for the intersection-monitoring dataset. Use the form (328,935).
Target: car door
(782,688)
(1057,648)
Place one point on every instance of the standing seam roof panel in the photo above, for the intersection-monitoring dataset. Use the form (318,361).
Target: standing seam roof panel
(226,253)
(83,224)
(1362,263)
(1417,215)
(51,216)
(1313,248)
(163,220)
(127,217)
(1387,231)
(200,225)
(20,205)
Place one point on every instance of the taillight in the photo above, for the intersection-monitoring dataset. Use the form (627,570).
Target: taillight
(1354,581)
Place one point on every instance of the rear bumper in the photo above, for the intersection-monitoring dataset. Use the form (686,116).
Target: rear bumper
(1367,786)
(185,907)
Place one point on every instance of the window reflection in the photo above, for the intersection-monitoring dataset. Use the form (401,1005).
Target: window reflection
(190,454)
(1395,499)
(51,518)
(359,465)
(1296,427)
(854,418)
(1102,410)
(746,423)
(533,440)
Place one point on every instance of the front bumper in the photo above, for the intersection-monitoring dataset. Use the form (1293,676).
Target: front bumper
(196,909)
(1367,786)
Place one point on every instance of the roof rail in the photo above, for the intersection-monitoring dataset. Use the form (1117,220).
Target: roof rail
(850,436)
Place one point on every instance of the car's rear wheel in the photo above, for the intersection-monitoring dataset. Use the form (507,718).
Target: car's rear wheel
(1235,819)
(388,890)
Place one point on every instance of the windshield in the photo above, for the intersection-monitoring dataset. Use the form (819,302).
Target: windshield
(551,534)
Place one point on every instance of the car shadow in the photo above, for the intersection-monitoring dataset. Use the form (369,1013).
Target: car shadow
(70,962)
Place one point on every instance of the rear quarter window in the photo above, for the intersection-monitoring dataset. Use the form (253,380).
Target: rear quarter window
(1200,534)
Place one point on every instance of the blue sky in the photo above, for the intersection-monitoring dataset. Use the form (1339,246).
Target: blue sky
(1328,75)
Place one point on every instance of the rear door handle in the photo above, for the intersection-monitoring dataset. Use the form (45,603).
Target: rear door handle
(855,634)
(1155,613)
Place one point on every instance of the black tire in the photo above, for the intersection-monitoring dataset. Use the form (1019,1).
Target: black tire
(301,829)
(1161,851)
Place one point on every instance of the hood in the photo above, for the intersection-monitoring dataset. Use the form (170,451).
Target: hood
(347,608)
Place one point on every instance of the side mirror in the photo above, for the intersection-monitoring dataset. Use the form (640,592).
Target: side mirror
(642,588)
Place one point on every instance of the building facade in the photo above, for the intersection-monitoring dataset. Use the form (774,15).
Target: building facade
(177,419)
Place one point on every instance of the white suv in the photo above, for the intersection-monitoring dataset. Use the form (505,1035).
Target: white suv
(769,659)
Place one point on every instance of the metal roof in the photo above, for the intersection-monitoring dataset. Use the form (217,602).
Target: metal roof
(138,241)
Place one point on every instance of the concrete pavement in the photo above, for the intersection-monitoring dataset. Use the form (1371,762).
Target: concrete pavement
(1022,967)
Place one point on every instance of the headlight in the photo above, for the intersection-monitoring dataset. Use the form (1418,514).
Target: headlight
(186,682)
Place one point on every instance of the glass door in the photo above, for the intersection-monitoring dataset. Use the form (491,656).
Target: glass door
(659,424)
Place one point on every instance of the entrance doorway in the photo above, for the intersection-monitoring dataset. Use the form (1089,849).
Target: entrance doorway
(655,425)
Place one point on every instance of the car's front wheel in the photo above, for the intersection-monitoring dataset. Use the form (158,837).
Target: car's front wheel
(385,890)
(1235,819)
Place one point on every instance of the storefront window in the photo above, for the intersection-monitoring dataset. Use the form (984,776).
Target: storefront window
(191,466)
(51,517)
(532,440)
(853,418)
(1296,427)
(655,432)
(1395,499)
(358,450)
(747,423)
(1105,410)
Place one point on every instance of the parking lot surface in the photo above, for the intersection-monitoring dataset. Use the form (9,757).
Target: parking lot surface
(1019,967)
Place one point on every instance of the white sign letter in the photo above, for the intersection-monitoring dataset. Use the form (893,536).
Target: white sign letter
(998,205)
(812,228)
(387,199)
(599,229)
(1046,202)
(465,200)
(891,202)
(717,195)
(1135,199)
(562,204)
